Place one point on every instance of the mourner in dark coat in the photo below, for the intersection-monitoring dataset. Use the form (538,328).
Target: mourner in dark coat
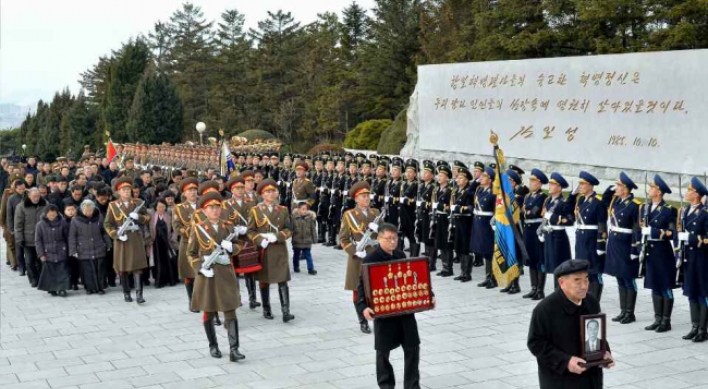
(51,236)
(89,242)
(391,332)
(27,215)
(554,332)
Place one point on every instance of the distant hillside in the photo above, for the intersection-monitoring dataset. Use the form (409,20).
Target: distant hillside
(12,115)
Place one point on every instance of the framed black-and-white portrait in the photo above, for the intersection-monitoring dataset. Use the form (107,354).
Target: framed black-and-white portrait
(593,338)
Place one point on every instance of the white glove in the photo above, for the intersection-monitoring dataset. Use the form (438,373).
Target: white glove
(372,196)
(241,230)
(454,208)
(418,203)
(279,182)
(322,188)
(435,205)
(272,238)
(541,238)
(134,216)
(123,238)
(575,191)
(494,227)
(600,252)
(360,254)
(402,200)
(228,246)
(386,198)
(345,193)
(374,227)
(633,257)
(264,243)
(683,236)
(646,231)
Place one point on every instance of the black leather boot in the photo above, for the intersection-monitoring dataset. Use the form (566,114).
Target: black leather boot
(446,264)
(667,309)
(363,323)
(139,288)
(217,321)
(251,287)
(487,275)
(631,302)
(702,334)
(321,229)
(492,281)
(463,268)
(234,343)
(515,288)
(210,332)
(125,284)
(623,304)
(330,235)
(467,271)
(415,250)
(658,303)
(533,277)
(190,291)
(600,287)
(540,291)
(265,297)
(284,293)
(695,319)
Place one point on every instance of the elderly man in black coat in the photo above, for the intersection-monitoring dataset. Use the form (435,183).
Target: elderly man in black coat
(554,333)
(391,332)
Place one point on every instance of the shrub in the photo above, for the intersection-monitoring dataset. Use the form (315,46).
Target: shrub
(394,137)
(333,149)
(252,135)
(366,135)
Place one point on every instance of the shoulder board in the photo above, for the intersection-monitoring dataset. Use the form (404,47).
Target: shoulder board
(637,201)
(667,205)
(307,179)
(598,196)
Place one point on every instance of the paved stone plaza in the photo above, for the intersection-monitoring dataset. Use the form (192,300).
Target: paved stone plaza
(475,339)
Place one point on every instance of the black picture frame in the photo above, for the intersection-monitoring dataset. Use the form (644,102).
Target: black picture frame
(593,345)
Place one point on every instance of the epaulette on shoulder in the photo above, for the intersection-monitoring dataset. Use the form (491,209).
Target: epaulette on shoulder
(598,196)
(637,201)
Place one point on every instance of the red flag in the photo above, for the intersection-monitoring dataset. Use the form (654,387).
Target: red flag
(111,150)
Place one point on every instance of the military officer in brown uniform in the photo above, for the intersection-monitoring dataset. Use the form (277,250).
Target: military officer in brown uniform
(130,169)
(355,223)
(128,248)
(303,189)
(182,222)
(216,286)
(249,178)
(235,212)
(6,231)
(269,228)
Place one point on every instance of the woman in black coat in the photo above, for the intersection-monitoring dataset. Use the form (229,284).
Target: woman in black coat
(51,235)
(89,242)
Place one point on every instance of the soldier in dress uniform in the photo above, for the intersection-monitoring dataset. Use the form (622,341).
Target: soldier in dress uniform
(351,180)
(269,227)
(521,189)
(477,172)
(378,186)
(130,170)
(407,209)
(249,177)
(516,203)
(394,194)
(483,235)
(220,291)
(235,212)
(181,223)
(694,230)
(557,215)
(532,210)
(304,190)
(336,204)
(590,230)
(658,221)
(366,172)
(439,230)
(275,168)
(622,245)
(355,223)
(128,248)
(423,209)
(326,201)
(462,207)
(321,204)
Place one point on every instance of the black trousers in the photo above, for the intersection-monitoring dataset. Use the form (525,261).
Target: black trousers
(33,265)
(411,374)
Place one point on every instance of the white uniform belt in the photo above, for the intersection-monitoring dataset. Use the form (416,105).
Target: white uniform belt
(483,213)
(621,230)
(585,227)
(657,240)
(557,228)
(533,221)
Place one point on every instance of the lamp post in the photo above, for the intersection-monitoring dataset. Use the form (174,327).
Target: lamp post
(201,127)
(24,148)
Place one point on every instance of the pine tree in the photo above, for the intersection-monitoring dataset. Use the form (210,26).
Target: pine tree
(354,31)
(78,126)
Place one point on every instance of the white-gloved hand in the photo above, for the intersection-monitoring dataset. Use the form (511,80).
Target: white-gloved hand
(575,191)
(494,227)
(134,216)
(646,231)
(241,230)
(123,238)
(264,243)
(372,196)
(374,227)
(272,238)
(683,236)
(600,252)
(435,205)
(418,203)
(386,198)
(454,208)
(228,246)
(345,193)
(279,183)
(402,200)
(360,254)
(633,257)
(541,238)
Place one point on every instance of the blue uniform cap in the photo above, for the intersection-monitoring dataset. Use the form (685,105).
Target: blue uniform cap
(490,172)
(659,183)
(539,175)
(626,181)
(514,176)
(698,186)
(558,179)
(589,178)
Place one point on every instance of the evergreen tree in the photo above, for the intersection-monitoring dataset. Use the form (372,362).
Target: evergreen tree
(78,126)
(354,31)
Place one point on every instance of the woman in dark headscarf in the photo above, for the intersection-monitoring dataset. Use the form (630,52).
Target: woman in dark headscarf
(162,245)
(51,235)
(89,242)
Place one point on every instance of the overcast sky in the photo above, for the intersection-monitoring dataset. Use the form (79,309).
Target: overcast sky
(45,44)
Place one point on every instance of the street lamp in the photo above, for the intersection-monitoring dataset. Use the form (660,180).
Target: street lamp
(201,127)
(24,148)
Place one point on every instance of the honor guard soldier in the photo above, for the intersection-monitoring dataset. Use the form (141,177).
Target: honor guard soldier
(658,222)
(516,203)
(275,168)
(590,230)
(461,209)
(321,204)
(181,223)
(128,244)
(249,178)
(394,193)
(477,172)
(378,187)
(216,285)
(235,212)
(130,170)
(269,227)
(692,240)
(441,221)
(622,245)
(557,216)
(521,189)
(485,202)
(356,223)
(336,204)
(534,203)
(352,179)
(407,209)
(304,190)
(366,172)
(326,201)
(423,209)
